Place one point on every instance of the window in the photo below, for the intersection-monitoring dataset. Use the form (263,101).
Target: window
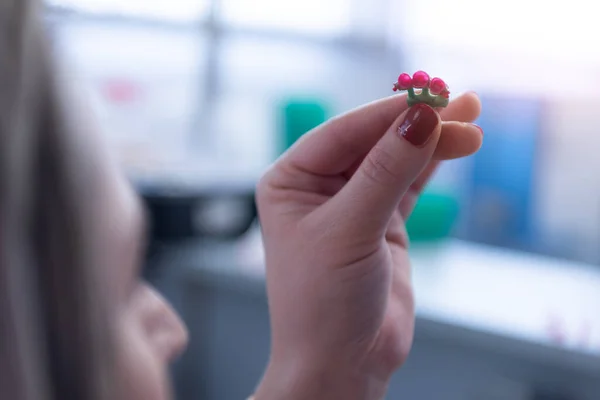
(178,11)
(313,17)
(535,28)
(356,19)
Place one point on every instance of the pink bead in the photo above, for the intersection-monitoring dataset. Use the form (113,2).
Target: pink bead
(420,79)
(404,81)
(437,86)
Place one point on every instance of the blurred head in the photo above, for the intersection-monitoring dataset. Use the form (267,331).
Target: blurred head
(76,322)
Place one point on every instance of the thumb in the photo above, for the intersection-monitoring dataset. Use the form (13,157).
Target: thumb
(370,198)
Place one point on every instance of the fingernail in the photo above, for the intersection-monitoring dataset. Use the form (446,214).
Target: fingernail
(478,127)
(419,124)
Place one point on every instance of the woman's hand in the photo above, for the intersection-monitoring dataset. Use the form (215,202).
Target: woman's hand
(332,210)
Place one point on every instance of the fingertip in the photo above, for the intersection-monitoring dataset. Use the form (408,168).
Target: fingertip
(457,140)
(474,101)
(464,108)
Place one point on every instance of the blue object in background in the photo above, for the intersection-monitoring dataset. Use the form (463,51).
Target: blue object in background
(499,188)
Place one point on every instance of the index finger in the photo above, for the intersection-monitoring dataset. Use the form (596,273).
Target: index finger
(333,147)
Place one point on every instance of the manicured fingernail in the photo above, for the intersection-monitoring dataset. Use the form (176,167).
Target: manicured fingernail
(478,127)
(419,124)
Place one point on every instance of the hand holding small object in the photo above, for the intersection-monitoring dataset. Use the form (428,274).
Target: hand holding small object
(332,212)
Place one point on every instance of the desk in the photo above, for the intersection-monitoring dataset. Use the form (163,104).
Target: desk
(488,323)
(524,296)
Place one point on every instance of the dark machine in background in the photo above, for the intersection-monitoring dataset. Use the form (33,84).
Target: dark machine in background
(175,215)
(180,216)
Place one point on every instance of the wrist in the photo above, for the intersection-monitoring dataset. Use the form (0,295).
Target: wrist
(318,382)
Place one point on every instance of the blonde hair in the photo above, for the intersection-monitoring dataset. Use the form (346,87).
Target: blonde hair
(55,329)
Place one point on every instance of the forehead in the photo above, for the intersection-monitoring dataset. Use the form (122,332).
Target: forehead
(115,200)
(118,220)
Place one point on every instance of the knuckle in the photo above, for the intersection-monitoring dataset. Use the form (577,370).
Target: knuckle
(400,352)
(264,188)
(379,166)
(399,348)
(274,187)
(261,189)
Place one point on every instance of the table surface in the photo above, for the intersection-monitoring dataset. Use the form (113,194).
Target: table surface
(523,296)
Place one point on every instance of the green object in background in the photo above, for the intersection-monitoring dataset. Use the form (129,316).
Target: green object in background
(433,218)
(298,117)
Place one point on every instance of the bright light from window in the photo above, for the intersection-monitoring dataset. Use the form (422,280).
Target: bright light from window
(178,10)
(535,27)
(318,17)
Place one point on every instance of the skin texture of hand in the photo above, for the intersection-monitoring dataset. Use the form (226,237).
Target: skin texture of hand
(332,211)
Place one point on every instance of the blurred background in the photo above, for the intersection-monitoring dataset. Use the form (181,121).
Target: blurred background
(198,97)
